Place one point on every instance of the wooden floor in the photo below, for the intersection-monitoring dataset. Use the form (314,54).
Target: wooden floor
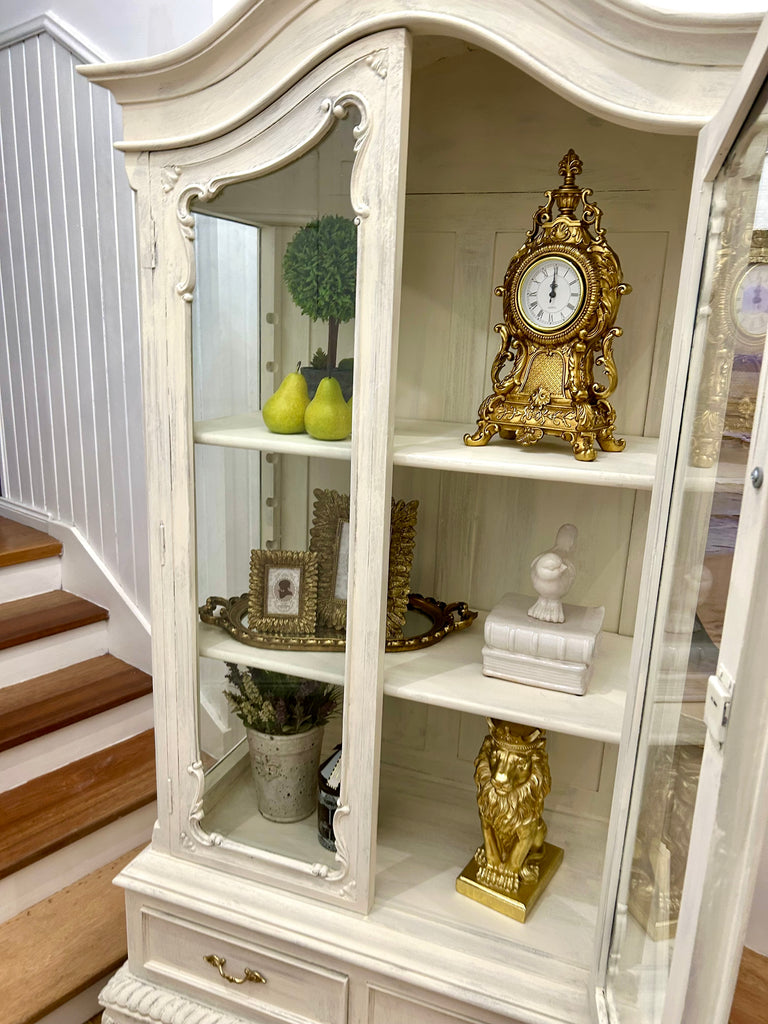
(750,1001)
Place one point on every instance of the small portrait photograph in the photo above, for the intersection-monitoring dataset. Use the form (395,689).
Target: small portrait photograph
(282,599)
(283,587)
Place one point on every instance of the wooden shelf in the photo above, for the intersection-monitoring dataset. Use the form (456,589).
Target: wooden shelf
(428,444)
(233,811)
(326,666)
(427,832)
(249,432)
(450,675)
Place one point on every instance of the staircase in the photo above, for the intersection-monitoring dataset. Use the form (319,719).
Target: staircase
(77,787)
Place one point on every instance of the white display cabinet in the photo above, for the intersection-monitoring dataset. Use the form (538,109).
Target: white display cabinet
(439,131)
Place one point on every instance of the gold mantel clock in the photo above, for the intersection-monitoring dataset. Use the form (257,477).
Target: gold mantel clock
(561,295)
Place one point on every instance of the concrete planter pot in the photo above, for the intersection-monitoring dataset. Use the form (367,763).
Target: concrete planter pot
(313,377)
(284,770)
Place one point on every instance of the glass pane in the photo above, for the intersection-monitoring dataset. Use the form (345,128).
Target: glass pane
(262,308)
(711,465)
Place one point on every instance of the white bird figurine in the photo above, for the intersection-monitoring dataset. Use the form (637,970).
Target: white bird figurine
(552,575)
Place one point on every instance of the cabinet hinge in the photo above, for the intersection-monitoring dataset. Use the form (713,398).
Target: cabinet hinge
(717,709)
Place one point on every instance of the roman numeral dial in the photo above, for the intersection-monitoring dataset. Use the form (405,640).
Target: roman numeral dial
(551,294)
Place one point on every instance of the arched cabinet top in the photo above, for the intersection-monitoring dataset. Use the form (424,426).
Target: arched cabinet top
(615,58)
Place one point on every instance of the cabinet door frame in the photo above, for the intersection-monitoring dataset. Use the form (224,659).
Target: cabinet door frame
(373,77)
(705,959)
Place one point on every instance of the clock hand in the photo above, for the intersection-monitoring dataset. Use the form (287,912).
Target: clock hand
(553,289)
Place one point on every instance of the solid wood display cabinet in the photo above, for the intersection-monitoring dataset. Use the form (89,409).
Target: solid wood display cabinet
(438,130)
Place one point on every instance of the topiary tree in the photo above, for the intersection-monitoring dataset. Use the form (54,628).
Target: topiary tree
(319,268)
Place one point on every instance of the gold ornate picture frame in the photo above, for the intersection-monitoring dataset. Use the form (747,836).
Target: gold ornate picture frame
(283,592)
(402,540)
(329,539)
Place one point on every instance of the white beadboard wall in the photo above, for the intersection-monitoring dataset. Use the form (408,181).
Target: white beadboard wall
(71,437)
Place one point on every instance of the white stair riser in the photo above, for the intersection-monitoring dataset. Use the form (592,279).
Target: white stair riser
(45,877)
(38,657)
(56,749)
(30,578)
(83,1007)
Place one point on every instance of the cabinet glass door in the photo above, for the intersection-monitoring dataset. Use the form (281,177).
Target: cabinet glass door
(281,240)
(710,479)
(262,557)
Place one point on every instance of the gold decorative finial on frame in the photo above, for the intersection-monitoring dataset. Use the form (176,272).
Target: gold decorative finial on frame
(569,167)
(567,196)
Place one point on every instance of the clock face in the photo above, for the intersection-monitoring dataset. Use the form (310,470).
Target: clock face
(750,302)
(551,294)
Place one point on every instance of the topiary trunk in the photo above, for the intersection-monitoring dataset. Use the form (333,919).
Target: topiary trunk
(333,337)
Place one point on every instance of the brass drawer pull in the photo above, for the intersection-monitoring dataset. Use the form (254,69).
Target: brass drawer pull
(249,975)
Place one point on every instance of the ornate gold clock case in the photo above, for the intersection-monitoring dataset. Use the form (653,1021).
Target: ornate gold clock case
(561,296)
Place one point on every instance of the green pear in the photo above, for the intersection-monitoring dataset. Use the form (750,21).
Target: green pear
(284,412)
(328,417)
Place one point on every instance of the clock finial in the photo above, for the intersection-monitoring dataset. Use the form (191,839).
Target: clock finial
(569,167)
(567,196)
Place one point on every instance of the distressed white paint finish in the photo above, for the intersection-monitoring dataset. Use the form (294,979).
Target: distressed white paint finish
(480,963)
(699,983)
(655,82)
(732,830)
(476,530)
(71,441)
(369,78)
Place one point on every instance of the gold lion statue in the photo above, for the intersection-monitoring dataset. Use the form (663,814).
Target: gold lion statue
(512,779)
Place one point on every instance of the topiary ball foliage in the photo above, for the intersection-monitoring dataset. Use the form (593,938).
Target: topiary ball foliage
(319,268)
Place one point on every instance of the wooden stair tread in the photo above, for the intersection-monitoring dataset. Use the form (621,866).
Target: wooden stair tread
(39,706)
(61,946)
(53,810)
(56,611)
(20,543)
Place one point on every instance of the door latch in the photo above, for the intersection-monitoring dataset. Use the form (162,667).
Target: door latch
(717,708)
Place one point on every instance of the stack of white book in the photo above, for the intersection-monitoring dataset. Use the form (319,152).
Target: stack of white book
(553,655)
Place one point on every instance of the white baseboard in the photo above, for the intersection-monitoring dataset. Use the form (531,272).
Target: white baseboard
(85,574)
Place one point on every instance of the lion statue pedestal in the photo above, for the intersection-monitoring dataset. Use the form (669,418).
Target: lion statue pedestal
(514,865)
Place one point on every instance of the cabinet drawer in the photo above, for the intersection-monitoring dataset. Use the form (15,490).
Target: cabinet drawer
(292,990)
(392,1008)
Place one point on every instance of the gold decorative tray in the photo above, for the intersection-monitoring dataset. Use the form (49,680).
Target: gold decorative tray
(427,622)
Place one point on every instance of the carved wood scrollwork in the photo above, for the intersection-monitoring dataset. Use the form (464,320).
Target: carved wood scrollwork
(196,834)
(331,111)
